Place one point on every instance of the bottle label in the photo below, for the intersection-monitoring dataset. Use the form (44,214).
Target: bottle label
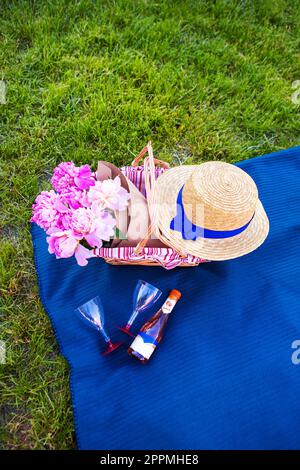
(144,344)
(168,305)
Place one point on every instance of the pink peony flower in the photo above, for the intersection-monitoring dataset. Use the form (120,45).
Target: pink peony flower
(79,210)
(64,245)
(82,221)
(66,175)
(92,226)
(84,178)
(104,226)
(108,194)
(75,198)
(49,211)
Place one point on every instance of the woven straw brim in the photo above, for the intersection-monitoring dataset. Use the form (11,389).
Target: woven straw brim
(165,199)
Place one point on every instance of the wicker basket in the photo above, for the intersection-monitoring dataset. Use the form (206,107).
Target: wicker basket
(167,257)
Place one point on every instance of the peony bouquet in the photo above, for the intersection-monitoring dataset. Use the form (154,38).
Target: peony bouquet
(79,213)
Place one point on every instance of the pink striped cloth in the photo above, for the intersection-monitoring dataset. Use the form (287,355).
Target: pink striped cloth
(136,175)
(166,257)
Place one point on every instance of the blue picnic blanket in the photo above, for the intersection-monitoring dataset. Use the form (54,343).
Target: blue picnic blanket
(225,375)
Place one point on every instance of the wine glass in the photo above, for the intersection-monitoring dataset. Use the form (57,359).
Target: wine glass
(92,314)
(145,295)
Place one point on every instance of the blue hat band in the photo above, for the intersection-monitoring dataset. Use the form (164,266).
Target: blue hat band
(189,231)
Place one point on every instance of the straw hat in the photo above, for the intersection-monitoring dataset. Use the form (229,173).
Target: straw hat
(209,210)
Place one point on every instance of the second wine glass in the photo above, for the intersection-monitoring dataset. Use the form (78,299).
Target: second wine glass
(145,295)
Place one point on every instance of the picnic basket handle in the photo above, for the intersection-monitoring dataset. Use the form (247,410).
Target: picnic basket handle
(157,162)
(149,173)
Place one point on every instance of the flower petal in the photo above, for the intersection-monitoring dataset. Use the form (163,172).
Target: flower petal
(93,240)
(82,254)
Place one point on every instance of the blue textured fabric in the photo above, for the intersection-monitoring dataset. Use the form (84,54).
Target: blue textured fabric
(222,378)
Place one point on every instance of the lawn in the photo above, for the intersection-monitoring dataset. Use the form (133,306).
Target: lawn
(88,80)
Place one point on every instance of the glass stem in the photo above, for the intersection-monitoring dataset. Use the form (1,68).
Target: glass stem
(106,337)
(133,317)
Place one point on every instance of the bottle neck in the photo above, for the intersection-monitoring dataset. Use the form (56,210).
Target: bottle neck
(157,322)
(168,306)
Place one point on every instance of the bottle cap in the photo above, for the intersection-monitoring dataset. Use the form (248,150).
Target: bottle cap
(175,294)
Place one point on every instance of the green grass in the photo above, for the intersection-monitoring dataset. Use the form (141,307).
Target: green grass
(89,80)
